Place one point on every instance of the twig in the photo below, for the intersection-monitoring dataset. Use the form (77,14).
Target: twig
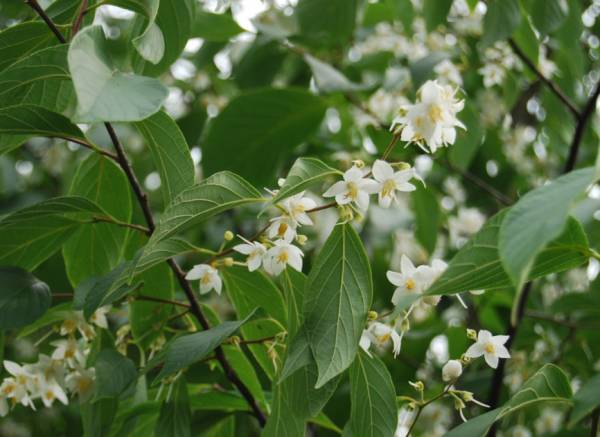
(161,300)
(79,18)
(91,147)
(179,274)
(103,219)
(548,318)
(550,84)
(582,121)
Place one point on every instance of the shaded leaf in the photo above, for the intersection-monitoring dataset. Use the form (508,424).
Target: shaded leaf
(23,298)
(501,20)
(585,400)
(175,417)
(115,374)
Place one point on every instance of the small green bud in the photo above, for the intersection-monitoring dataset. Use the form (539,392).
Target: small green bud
(472,334)
(372,315)
(228,236)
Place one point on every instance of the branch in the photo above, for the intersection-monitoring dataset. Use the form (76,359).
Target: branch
(582,121)
(160,300)
(551,85)
(180,275)
(79,18)
(101,219)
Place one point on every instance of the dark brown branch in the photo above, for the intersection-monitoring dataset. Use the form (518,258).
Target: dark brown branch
(180,274)
(160,300)
(550,84)
(42,14)
(582,121)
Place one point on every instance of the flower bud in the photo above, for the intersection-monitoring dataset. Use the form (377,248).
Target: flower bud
(280,182)
(228,262)
(472,334)
(372,315)
(228,236)
(301,239)
(405,325)
(418,385)
(235,340)
(451,370)
(401,165)
(359,163)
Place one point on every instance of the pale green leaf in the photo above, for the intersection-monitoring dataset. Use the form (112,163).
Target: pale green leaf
(328,79)
(215,27)
(103,92)
(305,173)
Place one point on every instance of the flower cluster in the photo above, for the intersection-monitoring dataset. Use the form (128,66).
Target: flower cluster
(64,372)
(431,122)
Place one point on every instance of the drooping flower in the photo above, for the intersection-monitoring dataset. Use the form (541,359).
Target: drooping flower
(410,279)
(431,122)
(380,334)
(468,222)
(99,317)
(50,391)
(390,182)
(283,227)
(354,188)
(452,370)
(296,207)
(81,381)
(282,254)
(76,322)
(208,276)
(255,251)
(491,347)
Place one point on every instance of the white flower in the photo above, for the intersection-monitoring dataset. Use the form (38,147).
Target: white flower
(405,419)
(99,317)
(76,322)
(491,347)
(431,122)
(414,280)
(354,188)
(68,350)
(549,421)
(4,408)
(255,251)
(390,182)
(296,207)
(468,222)
(81,381)
(452,370)
(448,71)
(48,368)
(380,334)
(282,254)
(283,227)
(208,276)
(520,431)
(50,391)
(11,389)
(493,74)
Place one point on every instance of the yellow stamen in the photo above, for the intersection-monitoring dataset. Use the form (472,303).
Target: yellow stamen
(283,257)
(435,113)
(282,229)
(489,348)
(49,395)
(383,338)
(410,284)
(352,190)
(205,280)
(389,187)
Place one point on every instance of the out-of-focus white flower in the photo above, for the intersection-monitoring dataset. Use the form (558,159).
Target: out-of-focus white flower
(549,422)
(468,222)
(354,188)
(546,66)
(69,350)
(491,347)
(405,420)
(520,431)
(255,251)
(208,276)
(51,391)
(493,74)
(296,207)
(452,370)
(81,381)
(431,122)
(99,317)
(448,71)
(283,227)
(17,386)
(390,182)
(282,254)
(380,334)
(76,322)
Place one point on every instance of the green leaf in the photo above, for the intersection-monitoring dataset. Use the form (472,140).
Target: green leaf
(41,79)
(115,374)
(548,15)
(435,12)
(266,123)
(327,23)
(214,195)
(36,121)
(20,40)
(536,219)
(31,235)
(23,298)
(170,153)
(427,217)
(328,79)
(501,20)
(469,139)
(527,40)
(175,419)
(188,349)
(55,315)
(305,173)
(104,93)
(96,248)
(97,417)
(337,298)
(477,265)
(586,400)
(549,384)
(164,250)
(373,398)
(215,27)
(175,19)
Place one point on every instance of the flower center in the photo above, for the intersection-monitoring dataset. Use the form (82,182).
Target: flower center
(69,353)
(83,384)
(489,348)
(435,113)
(389,187)
(49,395)
(283,257)
(352,190)
(383,338)
(282,229)
(410,284)
(9,389)
(205,279)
